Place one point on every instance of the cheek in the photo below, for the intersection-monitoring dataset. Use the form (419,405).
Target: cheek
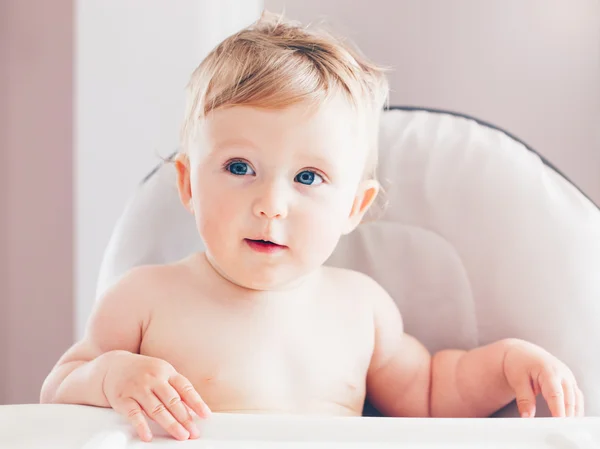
(216,207)
(323,219)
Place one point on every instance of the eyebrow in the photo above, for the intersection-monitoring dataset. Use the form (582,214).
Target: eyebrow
(317,159)
(320,163)
(234,142)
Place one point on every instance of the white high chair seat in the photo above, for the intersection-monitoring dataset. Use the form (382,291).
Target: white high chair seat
(481,240)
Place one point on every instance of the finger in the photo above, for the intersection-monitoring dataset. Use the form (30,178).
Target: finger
(133,412)
(536,389)
(525,398)
(169,396)
(552,391)
(579,402)
(189,395)
(157,411)
(570,399)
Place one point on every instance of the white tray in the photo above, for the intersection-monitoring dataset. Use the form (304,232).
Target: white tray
(70,426)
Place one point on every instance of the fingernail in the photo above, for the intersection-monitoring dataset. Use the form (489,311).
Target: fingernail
(182,433)
(526,415)
(194,432)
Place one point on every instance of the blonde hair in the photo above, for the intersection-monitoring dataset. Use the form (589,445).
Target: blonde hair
(275,63)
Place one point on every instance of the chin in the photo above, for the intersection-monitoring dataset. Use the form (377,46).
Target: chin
(254,275)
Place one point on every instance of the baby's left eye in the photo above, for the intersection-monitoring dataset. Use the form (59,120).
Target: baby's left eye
(309,178)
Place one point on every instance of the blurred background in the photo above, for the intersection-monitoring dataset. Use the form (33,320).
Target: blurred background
(92,94)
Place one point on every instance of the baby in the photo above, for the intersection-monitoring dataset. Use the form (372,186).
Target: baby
(278,161)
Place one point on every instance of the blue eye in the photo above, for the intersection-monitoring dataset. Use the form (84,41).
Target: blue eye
(309,178)
(239,168)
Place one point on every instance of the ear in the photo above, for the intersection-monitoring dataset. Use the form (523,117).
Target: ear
(182,165)
(365,195)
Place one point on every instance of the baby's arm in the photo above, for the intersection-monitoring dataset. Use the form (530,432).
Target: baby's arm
(405,380)
(105,368)
(115,325)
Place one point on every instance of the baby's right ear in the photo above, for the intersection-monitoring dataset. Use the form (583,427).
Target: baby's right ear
(182,165)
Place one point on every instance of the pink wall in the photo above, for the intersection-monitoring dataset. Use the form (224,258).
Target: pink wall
(36,225)
(3,192)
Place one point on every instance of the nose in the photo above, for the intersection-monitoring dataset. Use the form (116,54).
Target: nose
(271,201)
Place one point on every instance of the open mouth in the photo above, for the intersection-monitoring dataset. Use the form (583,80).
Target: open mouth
(264,246)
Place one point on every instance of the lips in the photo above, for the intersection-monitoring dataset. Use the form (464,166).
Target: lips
(265,246)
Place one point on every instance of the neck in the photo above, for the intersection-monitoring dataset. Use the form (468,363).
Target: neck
(287,287)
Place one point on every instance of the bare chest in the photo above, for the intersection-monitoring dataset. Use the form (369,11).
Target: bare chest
(264,359)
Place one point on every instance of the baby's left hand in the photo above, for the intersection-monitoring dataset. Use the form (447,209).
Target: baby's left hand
(530,370)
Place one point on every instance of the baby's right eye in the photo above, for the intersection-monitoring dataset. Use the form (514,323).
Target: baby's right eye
(239,168)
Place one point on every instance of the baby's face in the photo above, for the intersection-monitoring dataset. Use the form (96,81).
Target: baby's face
(273,190)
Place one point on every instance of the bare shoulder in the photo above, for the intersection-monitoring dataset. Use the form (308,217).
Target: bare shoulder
(128,297)
(363,287)
(139,284)
(387,319)
(131,298)
(155,278)
(349,277)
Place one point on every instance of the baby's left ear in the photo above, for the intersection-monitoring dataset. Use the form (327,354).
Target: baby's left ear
(365,195)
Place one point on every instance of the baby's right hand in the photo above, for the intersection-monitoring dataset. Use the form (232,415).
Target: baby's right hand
(136,384)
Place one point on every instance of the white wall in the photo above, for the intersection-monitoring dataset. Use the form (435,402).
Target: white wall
(133,60)
(529,66)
